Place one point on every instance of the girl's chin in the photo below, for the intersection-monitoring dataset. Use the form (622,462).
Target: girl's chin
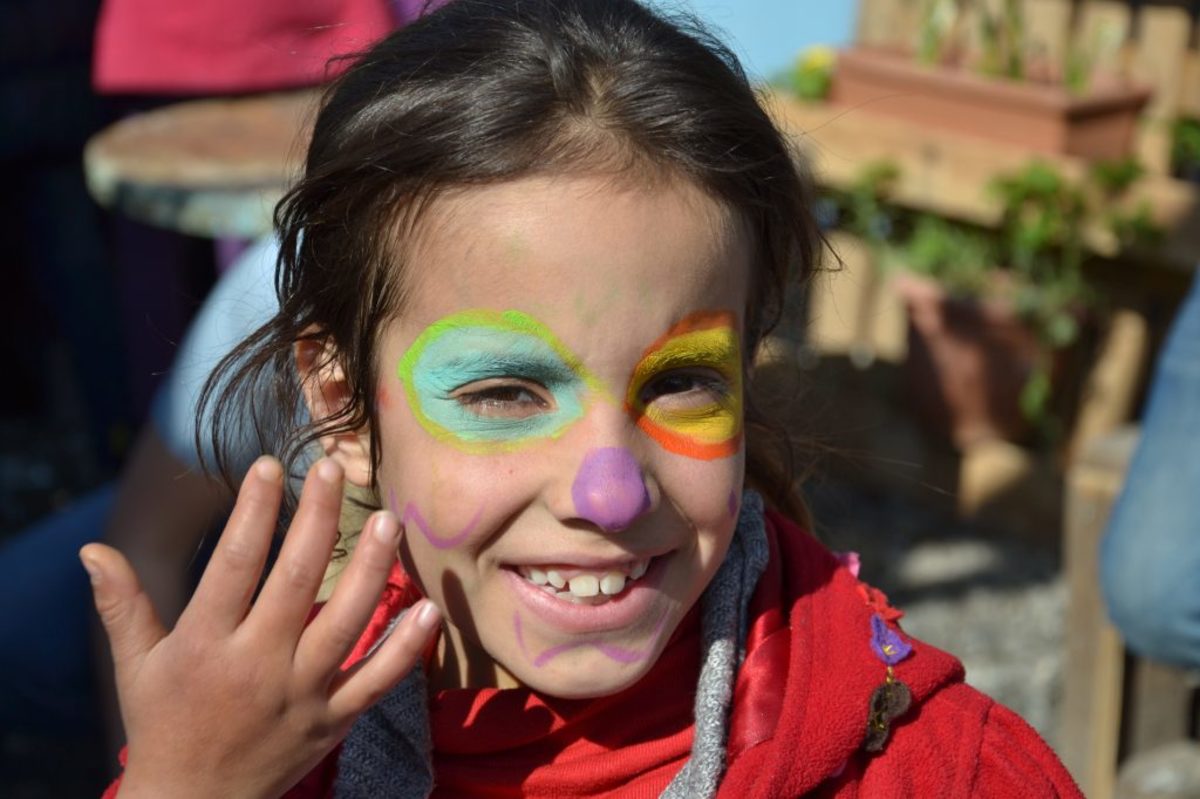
(584,680)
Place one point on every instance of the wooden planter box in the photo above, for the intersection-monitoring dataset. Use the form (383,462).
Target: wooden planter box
(1038,117)
(967,363)
(969,360)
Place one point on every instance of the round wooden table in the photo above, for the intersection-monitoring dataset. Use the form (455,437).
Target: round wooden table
(212,168)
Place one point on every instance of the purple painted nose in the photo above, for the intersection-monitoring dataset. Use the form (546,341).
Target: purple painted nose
(608,490)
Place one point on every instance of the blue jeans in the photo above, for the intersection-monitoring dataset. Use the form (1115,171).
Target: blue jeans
(1150,556)
(46,673)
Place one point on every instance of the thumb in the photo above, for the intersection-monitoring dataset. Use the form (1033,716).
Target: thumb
(125,610)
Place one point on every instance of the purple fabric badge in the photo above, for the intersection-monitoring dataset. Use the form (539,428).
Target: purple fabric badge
(886,643)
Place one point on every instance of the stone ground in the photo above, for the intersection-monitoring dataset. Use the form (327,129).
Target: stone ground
(994,600)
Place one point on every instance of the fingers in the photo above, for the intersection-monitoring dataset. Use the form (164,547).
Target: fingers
(359,688)
(332,635)
(232,574)
(125,610)
(287,598)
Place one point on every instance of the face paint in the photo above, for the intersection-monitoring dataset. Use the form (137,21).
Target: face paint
(620,654)
(704,343)
(412,515)
(609,490)
(501,352)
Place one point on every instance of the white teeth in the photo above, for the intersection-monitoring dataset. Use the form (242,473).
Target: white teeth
(596,587)
(585,585)
(611,584)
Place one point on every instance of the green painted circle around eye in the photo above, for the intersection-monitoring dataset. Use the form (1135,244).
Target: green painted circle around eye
(478,345)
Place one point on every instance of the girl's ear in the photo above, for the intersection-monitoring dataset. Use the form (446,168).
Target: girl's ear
(326,392)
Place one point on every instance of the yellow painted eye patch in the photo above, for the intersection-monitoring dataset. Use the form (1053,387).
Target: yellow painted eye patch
(706,428)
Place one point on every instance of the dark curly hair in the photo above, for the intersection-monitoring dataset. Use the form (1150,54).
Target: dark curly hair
(480,92)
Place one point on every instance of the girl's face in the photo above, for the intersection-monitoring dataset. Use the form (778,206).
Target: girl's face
(560,407)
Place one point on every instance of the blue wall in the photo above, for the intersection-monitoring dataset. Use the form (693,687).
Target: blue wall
(767,34)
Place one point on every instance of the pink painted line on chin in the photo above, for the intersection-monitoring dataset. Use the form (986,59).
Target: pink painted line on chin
(619,654)
(412,514)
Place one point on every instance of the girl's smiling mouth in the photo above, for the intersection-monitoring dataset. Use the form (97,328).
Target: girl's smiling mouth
(576,599)
(583,585)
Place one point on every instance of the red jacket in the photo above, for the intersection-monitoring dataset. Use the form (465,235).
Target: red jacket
(803,733)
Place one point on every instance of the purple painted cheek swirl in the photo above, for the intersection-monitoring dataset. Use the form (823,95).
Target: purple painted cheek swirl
(619,654)
(609,490)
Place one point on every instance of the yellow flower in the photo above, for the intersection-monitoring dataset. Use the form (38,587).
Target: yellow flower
(817,58)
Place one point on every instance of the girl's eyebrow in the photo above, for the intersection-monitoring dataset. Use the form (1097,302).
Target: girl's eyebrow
(706,351)
(716,350)
(485,363)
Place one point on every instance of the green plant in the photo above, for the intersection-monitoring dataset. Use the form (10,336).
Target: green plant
(1185,146)
(1034,259)
(1005,49)
(1081,58)
(1131,226)
(944,31)
(938,21)
(865,208)
(812,73)
(955,255)
(1041,227)
(1002,36)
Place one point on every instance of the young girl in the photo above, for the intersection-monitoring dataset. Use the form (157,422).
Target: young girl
(522,282)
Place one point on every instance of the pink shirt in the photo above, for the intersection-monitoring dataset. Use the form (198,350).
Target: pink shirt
(230,46)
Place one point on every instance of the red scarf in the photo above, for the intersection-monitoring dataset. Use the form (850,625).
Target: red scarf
(515,742)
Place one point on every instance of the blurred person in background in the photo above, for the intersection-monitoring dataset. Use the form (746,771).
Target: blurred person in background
(1150,556)
(58,312)
(147,53)
(157,513)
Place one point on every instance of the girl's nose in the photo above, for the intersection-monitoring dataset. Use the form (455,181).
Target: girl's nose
(609,490)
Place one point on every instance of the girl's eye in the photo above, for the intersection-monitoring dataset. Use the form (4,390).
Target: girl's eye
(686,389)
(504,398)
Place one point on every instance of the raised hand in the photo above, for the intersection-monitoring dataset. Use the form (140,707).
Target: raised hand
(241,699)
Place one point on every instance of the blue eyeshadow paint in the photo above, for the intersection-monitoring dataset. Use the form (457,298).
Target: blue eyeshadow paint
(467,348)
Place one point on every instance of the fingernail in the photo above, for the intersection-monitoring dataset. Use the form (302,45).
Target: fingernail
(91,568)
(428,615)
(328,470)
(267,468)
(387,528)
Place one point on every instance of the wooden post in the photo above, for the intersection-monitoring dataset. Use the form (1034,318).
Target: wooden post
(1090,724)
(1159,709)
(889,23)
(1112,386)
(1048,26)
(1160,57)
